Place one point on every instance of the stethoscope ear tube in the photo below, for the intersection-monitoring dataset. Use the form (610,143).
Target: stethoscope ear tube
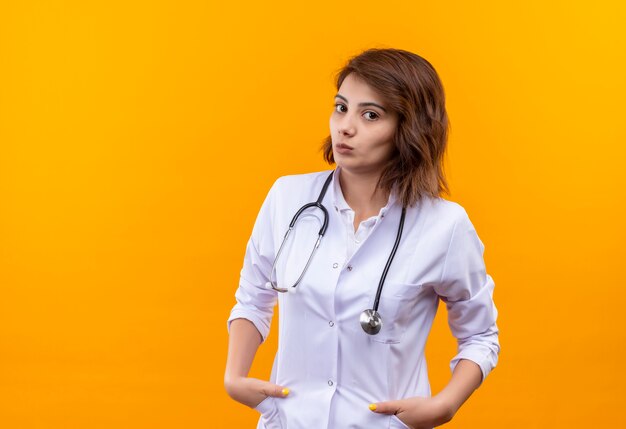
(307,206)
(317,204)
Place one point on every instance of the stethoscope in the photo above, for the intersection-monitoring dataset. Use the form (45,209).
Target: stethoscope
(370,319)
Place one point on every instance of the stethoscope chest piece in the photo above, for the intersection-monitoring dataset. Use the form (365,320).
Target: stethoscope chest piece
(371,322)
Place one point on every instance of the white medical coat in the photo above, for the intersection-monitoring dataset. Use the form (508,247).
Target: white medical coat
(333,369)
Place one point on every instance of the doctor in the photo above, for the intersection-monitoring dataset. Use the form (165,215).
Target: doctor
(392,246)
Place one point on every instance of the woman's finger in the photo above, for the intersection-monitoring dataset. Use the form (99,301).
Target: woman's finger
(271,389)
(387,407)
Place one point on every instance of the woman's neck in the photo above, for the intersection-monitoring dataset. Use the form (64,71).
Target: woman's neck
(361,194)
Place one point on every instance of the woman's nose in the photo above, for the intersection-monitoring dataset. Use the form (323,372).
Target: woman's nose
(346,126)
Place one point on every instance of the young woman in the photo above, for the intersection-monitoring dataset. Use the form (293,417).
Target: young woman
(352,335)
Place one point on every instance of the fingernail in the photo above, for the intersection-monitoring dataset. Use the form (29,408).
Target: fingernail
(285,391)
(373,407)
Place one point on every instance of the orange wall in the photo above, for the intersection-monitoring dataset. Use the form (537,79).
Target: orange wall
(138,140)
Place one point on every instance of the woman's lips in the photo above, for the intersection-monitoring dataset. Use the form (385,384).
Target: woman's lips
(343,148)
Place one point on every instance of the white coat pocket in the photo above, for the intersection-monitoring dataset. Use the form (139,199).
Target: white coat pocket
(396,308)
(397,423)
(269,413)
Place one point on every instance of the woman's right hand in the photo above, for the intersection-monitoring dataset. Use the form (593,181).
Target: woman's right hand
(252,391)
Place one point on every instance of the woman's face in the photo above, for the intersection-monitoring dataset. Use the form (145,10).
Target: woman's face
(362,128)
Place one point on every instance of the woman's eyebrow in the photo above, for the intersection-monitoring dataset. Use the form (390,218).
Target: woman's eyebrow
(363,104)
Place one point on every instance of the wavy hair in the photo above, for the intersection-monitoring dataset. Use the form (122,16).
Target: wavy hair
(411,87)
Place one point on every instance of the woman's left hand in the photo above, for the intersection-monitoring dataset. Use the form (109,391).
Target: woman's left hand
(418,412)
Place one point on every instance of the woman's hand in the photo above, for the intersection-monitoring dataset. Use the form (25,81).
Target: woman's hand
(251,391)
(243,343)
(418,412)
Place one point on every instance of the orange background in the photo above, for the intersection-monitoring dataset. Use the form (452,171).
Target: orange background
(138,140)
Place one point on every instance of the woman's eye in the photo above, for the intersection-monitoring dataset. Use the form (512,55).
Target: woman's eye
(339,107)
(371,116)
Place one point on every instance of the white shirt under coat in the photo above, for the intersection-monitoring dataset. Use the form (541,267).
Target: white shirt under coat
(333,369)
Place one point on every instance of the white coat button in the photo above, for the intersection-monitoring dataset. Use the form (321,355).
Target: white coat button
(330,382)
(331,323)
(335,265)
(349,267)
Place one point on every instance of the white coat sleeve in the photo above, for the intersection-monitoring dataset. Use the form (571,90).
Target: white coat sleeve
(467,290)
(254,302)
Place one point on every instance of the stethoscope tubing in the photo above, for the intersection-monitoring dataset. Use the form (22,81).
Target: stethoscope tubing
(389,260)
(370,319)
